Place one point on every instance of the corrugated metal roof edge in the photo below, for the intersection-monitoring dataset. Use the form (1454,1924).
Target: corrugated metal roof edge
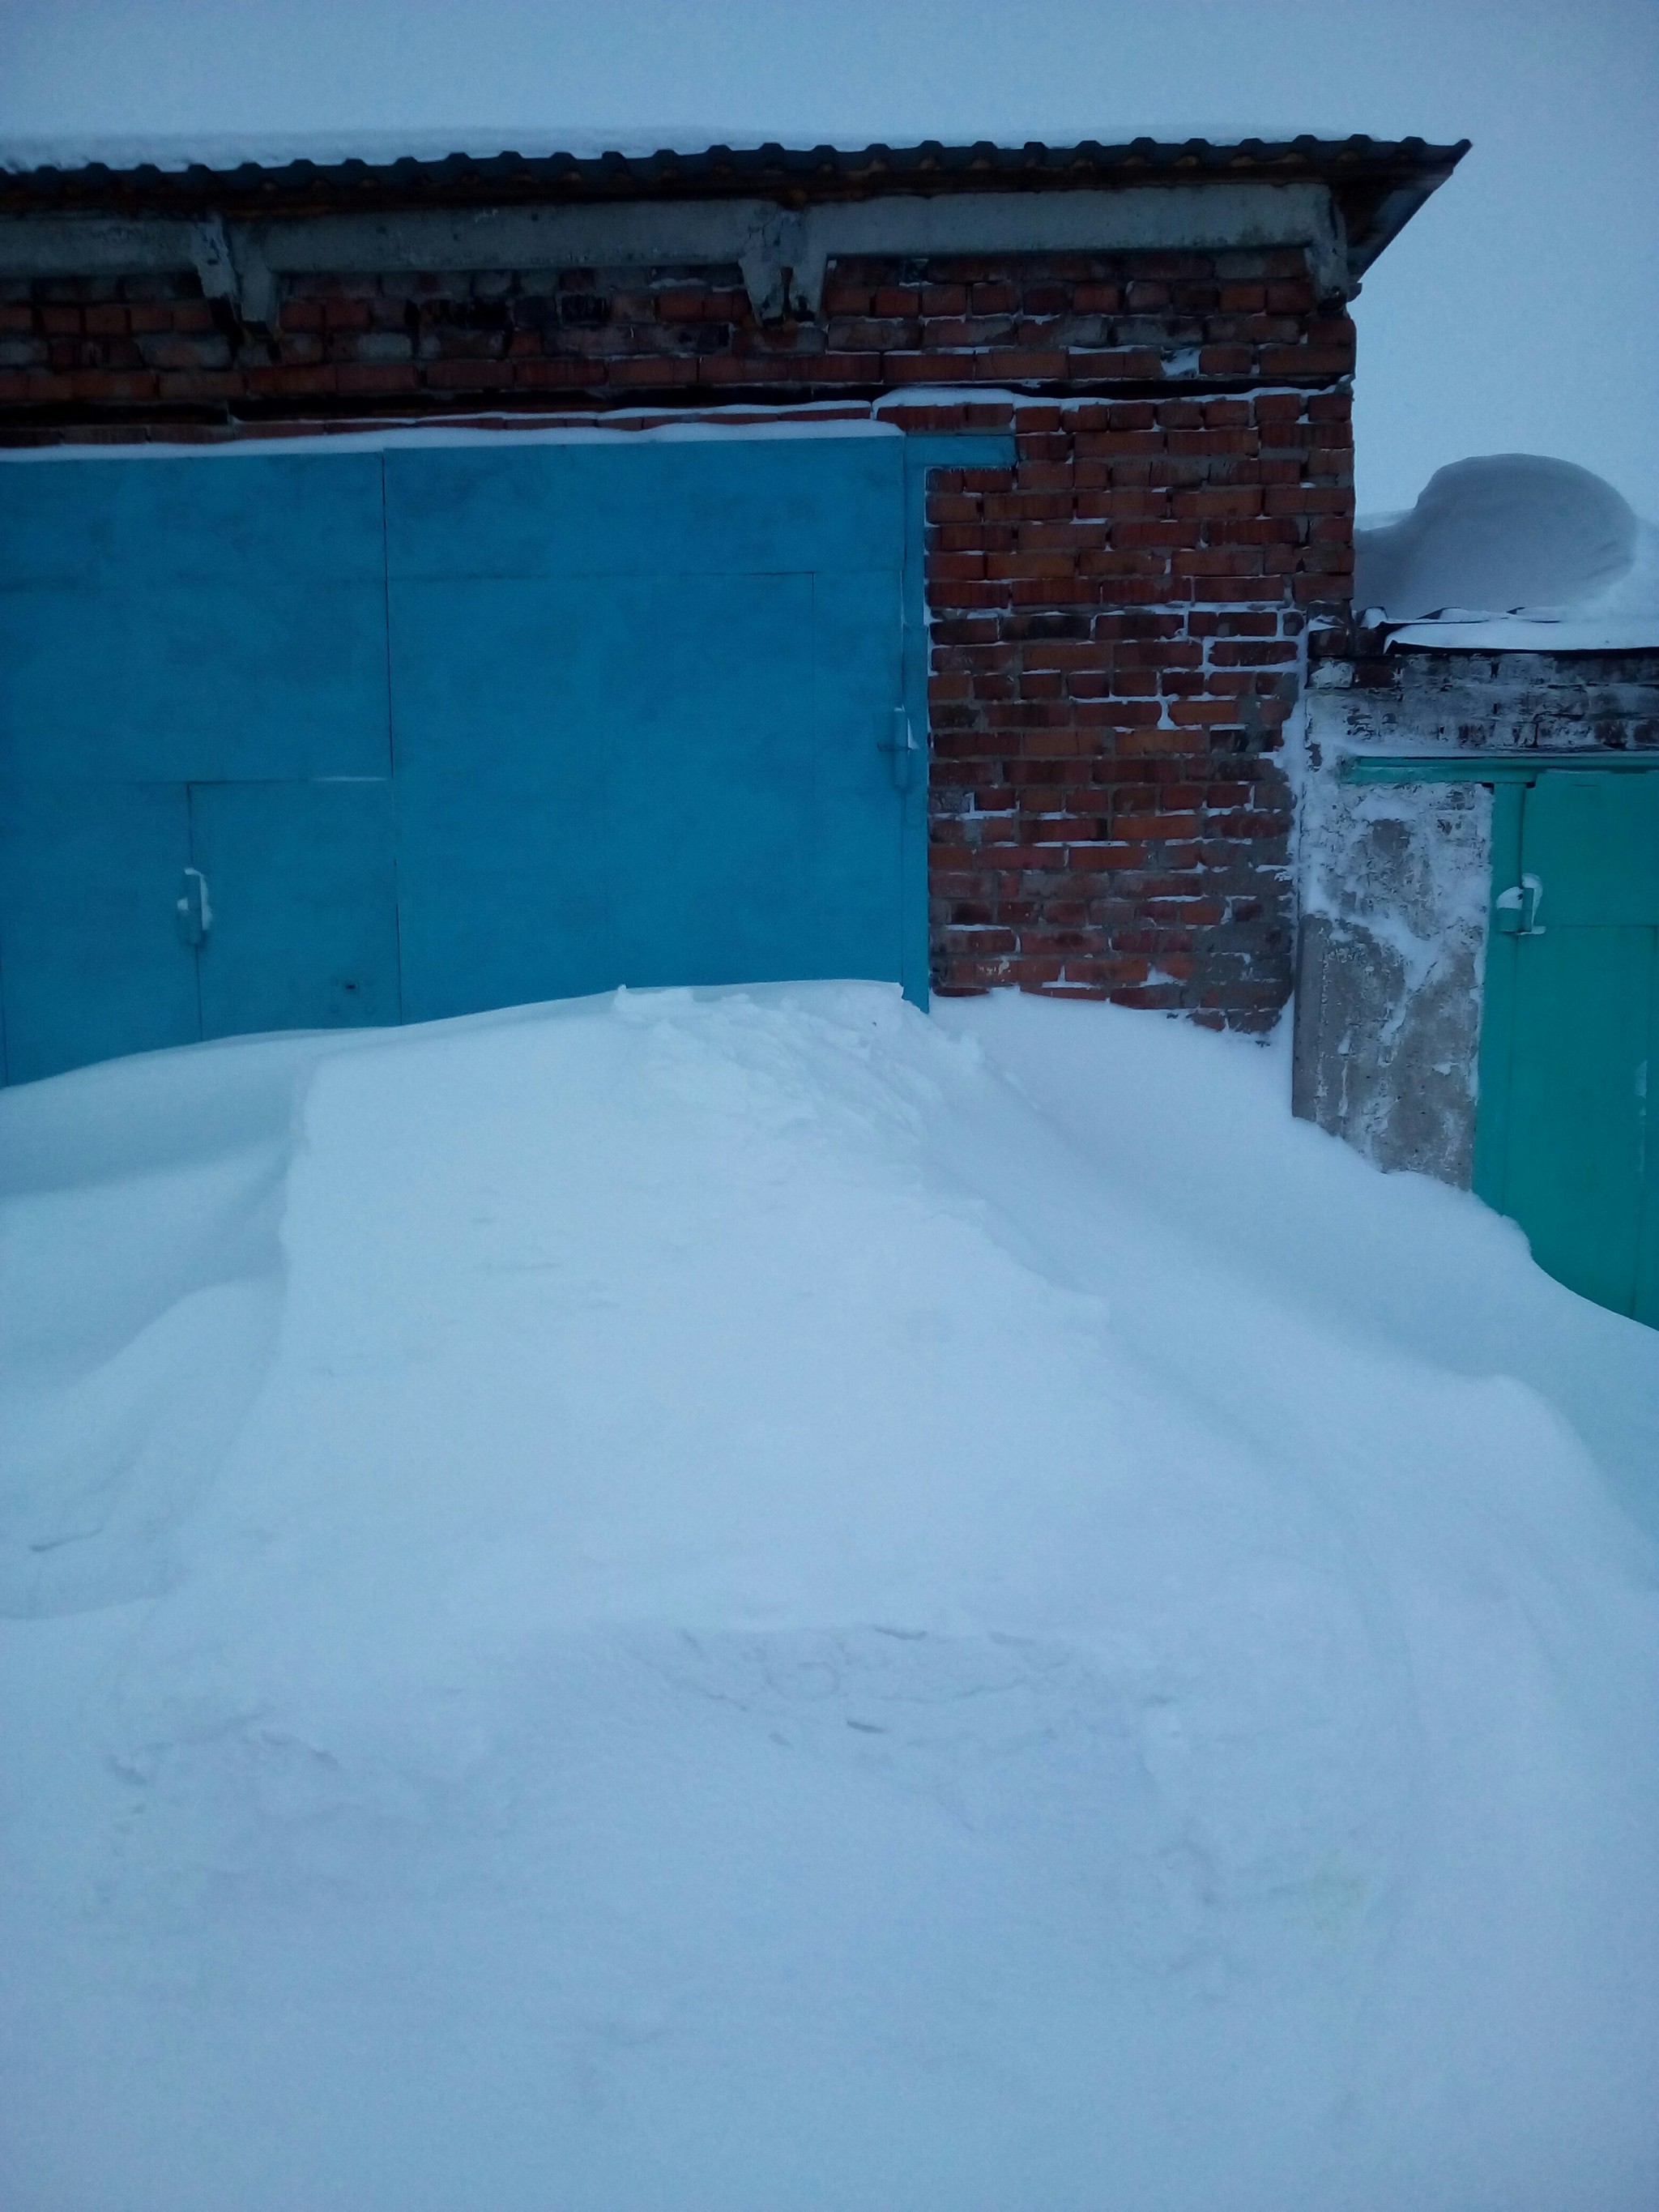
(715,169)
(1378,184)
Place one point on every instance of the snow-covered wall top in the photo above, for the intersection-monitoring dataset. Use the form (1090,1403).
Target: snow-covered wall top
(1513,552)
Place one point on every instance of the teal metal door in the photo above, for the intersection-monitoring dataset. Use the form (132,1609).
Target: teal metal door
(304,933)
(196,825)
(135,916)
(92,963)
(1572,1031)
(644,698)
(294,740)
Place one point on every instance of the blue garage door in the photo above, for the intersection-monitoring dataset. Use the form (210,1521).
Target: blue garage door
(298,741)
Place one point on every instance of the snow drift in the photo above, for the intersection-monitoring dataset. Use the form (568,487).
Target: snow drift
(750,1600)
(1514,551)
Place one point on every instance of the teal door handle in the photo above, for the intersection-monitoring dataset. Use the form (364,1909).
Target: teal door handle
(900,748)
(195,909)
(1516,908)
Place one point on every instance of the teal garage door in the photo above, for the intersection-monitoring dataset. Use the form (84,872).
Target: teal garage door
(1572,1031)
(299,740)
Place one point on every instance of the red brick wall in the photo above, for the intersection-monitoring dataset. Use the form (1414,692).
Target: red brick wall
(1119,623)
(1119,626)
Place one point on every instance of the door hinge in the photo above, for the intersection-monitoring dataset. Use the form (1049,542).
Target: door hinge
(900,748)
(195,909)
(1515,910)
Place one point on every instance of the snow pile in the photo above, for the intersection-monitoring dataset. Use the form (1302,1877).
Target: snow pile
(755,1601)
(1512,551)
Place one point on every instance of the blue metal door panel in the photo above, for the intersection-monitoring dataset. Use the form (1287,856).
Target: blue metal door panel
(719,785)
(218,617)
(170,622)
(639,736)
(868,764)
(731,504)
(92,962)
(246,517)
(300,881)
(194,680)
(600,784)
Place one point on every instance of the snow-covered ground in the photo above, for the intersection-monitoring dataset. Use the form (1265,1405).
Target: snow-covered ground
(752,1602)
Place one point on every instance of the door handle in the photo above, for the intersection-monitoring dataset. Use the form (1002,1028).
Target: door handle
(195,909)
(1515,910)
(900,748)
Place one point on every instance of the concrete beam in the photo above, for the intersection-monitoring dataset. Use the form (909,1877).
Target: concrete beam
(783,255)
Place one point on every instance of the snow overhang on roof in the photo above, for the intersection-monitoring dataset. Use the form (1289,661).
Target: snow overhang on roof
(1512,553)
(781,214)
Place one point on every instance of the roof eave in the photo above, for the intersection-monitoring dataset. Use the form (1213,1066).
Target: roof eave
(1377,184)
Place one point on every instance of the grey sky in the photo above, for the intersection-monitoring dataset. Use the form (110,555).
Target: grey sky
(1520,312)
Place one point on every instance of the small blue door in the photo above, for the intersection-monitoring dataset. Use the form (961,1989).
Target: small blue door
(94,965)
(196,822)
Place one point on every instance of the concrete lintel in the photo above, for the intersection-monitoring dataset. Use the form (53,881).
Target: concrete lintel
(1142,218)
(104,245)
(783,255)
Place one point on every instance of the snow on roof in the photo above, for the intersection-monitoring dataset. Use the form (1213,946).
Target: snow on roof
(1513,552)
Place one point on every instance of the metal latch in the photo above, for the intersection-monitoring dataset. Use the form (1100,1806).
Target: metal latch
(195,909)
(900,748)
(1516,908)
